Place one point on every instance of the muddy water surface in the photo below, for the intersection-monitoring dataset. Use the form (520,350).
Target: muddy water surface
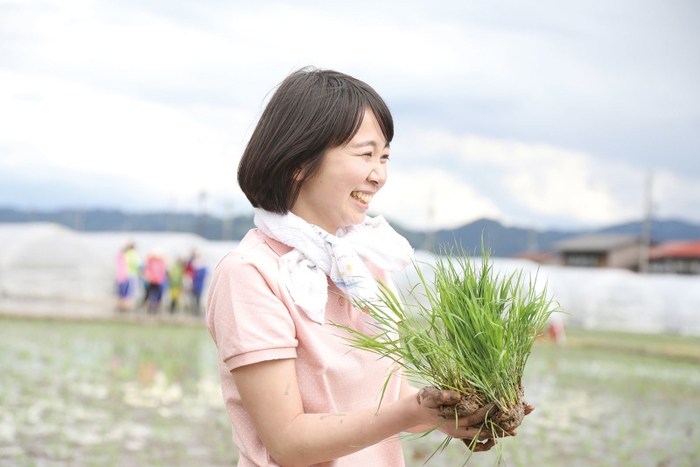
(147,394)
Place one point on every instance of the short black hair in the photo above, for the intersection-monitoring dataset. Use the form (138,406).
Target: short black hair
(311,111)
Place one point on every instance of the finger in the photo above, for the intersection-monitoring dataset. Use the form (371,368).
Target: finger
(497,432)
(479,446)
(481,432)
(433,397)
(529,408)
(485,446)
(475,432)
(478,417)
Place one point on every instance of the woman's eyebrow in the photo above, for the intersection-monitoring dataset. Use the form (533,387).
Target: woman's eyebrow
(369,142)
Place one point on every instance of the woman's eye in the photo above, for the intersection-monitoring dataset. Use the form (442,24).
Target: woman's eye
(385,157)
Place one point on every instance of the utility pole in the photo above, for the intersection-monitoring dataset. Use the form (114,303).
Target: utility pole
(171,216)
(227,222)
(645,234)
(202,218)
(79,221)
(429,242)
(532,243)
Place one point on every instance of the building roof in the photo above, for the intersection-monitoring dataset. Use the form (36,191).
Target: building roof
(538,257)
(676,249)
(596,242)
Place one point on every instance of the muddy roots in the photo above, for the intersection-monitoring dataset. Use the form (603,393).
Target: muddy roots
(505,418)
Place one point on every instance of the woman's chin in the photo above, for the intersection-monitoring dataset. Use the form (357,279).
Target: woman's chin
(359,219)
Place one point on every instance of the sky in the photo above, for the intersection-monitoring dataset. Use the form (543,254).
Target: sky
(540,114)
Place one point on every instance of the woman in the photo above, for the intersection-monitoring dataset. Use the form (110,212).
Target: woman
(296,393)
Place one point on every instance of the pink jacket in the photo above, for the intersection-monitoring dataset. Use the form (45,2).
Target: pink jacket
(155,271)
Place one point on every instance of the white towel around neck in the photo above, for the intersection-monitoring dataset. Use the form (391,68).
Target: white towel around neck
(317,254)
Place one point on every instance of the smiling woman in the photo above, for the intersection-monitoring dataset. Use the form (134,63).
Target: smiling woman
(296,394)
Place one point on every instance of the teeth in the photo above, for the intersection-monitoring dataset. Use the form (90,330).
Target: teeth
(365,198)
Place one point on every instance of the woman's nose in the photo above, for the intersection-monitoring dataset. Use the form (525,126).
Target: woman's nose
(378,175)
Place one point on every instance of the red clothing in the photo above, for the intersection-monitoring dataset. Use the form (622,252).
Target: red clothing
(155,271)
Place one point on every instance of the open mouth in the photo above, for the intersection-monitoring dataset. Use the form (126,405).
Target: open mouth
(362,197)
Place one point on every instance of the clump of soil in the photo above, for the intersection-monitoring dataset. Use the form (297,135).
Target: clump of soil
(505,418)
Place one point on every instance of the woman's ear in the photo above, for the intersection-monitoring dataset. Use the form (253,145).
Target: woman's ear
(300,173)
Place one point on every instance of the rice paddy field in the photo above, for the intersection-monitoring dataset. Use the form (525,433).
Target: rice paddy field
(146,393)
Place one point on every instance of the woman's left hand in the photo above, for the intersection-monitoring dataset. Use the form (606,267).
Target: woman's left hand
(470,427)
(484,444)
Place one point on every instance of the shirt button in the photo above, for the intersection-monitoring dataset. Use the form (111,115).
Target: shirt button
(341,301)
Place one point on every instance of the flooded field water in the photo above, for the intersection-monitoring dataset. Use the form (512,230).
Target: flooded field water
(147,394)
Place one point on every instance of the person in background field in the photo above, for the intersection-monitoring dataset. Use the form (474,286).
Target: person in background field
(555,329)
(295,392)
(127,274)
(175,283)
(197,273)
(155,276)
(122,277)
(134,266)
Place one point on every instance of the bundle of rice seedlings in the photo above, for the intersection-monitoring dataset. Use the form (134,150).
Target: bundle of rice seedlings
(470,330)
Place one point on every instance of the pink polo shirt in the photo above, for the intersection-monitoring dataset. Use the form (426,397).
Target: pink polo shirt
(252,318)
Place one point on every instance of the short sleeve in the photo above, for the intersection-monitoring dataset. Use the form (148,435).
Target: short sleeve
(246,314)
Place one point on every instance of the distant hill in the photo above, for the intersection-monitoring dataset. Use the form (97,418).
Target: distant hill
(661,230)
(503,241)
(99,220)
(509,241)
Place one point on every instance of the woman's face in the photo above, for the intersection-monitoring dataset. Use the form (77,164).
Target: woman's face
(340,192)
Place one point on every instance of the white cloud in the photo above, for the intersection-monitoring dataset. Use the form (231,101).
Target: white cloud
(431,198)
(72,128)
(675,196)
(539,180)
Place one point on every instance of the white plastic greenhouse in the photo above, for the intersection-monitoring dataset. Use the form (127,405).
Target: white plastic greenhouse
(47,269)
(609,299)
